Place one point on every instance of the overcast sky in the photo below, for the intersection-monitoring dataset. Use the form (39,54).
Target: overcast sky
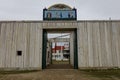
(32,9)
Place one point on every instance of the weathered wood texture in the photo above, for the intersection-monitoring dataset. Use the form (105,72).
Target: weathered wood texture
(25,37)
(72,48)
(98,43)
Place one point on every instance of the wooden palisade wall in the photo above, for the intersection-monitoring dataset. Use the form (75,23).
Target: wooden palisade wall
(98,43)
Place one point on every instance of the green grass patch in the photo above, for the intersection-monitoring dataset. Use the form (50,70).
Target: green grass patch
(107,73)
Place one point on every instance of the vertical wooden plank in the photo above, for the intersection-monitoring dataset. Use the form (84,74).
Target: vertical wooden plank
(40,45)
(18,46)
(10,44)
(103,49)
(99,46)
(85,41)
(71,49)
(81,53)
(18,36)
(96,44)
(7,41)
(15,44)
(118,38)
(21,43)
(40,50)
(37,46)
(24,44)
(31,45)
(5,47)
(13,50)
(34,43)
(114,46)
(78,42)
(12,40)
(108,43)
(78,36)
(27,58)
(116,24)
(34,64)
(2,44)
(90,44)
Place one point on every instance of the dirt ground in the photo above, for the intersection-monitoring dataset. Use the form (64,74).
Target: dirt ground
(58,74)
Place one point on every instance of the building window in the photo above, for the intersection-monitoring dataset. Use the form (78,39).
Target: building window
(19,53)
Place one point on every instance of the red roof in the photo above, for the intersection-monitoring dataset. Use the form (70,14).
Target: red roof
(58,48)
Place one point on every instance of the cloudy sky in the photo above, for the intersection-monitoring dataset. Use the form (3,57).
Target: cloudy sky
(32,9)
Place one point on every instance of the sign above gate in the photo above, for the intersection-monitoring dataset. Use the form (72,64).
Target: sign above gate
(59,12)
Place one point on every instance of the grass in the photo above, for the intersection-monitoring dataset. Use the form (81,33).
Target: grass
(104,74)
(2,72)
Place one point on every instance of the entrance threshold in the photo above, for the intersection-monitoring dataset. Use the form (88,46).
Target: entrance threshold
(59,66)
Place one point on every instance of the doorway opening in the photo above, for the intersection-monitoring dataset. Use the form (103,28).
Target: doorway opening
(59,49)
